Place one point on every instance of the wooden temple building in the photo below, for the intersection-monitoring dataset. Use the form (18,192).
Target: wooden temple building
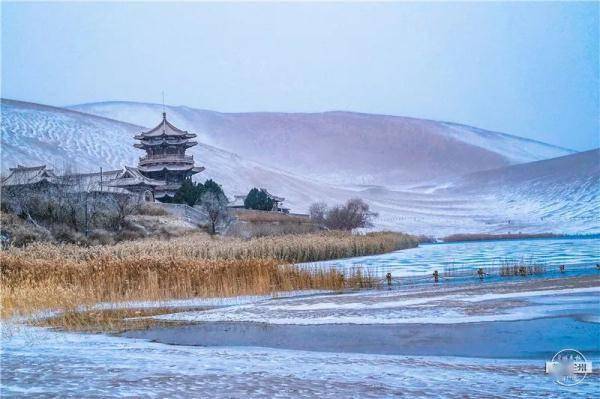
(158,176)
(166,158)
(125,181)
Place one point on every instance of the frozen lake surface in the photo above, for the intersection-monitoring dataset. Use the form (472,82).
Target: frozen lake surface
(482,339)
(471,255)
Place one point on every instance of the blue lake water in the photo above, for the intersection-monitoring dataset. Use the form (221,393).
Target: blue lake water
(572,252)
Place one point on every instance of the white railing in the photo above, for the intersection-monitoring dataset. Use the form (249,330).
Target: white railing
(149,159)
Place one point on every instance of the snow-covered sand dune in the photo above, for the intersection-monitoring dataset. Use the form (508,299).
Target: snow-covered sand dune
(344,147)
(533,200)
(34,134)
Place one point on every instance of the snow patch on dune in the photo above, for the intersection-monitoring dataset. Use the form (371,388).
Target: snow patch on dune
(516,149)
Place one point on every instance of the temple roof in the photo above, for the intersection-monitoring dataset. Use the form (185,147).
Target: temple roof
(114,181)
(110,181)
(29,175)
(92,182)
(133,177)
(165,128)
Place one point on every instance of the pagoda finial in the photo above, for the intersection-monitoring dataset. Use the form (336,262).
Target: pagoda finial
(164,112)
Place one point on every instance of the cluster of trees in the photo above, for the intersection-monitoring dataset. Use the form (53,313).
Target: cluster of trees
(259,200)
(191,193)
(208,196)
(355,213)
(211,198)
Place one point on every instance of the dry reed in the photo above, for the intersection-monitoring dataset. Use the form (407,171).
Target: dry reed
(287,248)
(67,277)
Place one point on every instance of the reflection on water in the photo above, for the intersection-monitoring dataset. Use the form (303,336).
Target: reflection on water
(471,255)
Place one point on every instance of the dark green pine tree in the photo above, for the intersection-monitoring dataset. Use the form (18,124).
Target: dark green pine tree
(211,186)
(188,193)
(259,200)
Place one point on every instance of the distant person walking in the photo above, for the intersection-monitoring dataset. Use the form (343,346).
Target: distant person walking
(436,276)
(388,277)
(481,273)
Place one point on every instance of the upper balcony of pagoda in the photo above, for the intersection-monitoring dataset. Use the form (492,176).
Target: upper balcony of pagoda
(166,159)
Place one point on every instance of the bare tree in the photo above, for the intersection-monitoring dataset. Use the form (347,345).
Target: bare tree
(317,212)
(353,214)
(25,201)
(124,204)
(215,205)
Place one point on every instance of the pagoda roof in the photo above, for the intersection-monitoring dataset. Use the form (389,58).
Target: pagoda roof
(164,141)
(165,128)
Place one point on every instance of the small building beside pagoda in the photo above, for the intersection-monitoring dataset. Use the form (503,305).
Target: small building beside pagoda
(126,181)
(166,158)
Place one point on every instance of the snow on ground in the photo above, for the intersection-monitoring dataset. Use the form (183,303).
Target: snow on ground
(441,306)
(204,302)
(41,363)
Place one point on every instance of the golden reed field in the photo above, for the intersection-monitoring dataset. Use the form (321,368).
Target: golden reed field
(67,277)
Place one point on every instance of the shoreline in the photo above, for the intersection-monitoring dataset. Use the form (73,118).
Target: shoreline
(483,237)
(518,339)
(420,359)
(518,320)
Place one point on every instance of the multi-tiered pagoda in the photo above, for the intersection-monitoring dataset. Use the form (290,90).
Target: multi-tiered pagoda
(165,158)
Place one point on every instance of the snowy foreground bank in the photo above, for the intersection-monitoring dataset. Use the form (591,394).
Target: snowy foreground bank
(41,363)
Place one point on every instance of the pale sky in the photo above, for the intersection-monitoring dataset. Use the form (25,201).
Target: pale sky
(530,69)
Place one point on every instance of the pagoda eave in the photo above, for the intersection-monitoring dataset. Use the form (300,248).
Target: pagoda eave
(148,144)
(173,168)
(160,135)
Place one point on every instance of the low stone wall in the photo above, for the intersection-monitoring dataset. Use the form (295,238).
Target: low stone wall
(190,214)
(252,215)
